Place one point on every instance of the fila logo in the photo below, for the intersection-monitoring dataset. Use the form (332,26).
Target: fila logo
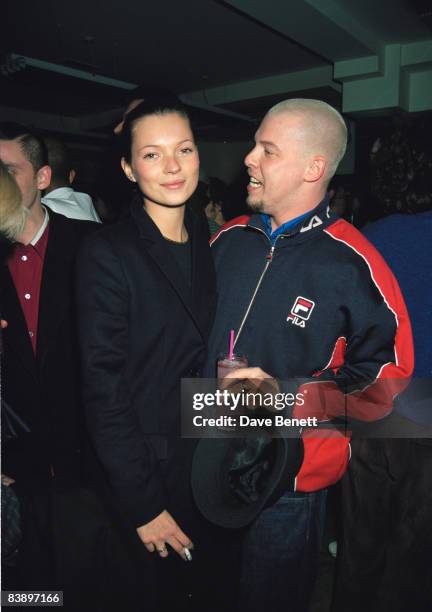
(301,311)
(314,222)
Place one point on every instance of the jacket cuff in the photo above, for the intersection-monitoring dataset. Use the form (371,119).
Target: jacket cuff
(141,506)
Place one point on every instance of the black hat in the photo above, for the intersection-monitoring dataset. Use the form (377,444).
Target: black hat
(233,480)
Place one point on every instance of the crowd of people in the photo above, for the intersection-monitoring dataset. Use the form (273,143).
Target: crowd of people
(103,498)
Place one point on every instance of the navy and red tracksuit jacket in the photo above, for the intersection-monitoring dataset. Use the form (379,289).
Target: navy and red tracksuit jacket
(323,305)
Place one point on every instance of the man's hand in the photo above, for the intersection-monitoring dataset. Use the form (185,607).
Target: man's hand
(249,374)
(3,324)
(161,531)
(252,380)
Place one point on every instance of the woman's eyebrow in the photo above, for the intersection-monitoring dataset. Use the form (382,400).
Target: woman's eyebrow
(158,146)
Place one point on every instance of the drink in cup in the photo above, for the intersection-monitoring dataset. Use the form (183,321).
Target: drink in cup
(228,363)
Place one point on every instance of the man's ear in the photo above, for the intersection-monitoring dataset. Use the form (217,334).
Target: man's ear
(72,175)
(315,169)
(43,177)
(127,170)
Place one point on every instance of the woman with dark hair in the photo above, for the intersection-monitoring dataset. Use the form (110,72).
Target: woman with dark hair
(146,302)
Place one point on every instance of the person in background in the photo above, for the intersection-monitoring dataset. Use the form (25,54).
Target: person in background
(12,221)
(39,372)
(12,212)
(59,196)
(146,302)
(339,200)
(216,193)
(384,557)
(136,96)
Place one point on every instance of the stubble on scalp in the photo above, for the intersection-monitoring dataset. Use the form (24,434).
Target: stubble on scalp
(322,130)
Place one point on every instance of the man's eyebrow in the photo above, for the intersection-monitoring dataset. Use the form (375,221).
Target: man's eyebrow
(268,143)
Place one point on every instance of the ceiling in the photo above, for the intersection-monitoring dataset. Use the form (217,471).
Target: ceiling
(233,57)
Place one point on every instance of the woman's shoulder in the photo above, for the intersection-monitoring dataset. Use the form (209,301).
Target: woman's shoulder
(116,238)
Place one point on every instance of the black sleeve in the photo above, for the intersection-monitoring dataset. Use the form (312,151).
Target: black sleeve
(103,304)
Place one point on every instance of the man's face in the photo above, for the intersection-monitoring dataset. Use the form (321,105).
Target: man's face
(276,164)
(30,182)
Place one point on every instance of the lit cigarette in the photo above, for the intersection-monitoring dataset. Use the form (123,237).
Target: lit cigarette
(188,554)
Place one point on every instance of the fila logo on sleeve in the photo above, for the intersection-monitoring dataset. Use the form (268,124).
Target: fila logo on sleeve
(301,311)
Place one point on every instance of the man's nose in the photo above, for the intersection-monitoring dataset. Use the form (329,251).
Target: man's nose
(250,159)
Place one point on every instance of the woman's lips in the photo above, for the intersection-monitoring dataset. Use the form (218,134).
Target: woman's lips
(175,185)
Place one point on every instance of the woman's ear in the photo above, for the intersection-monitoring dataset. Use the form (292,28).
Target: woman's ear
(127,170)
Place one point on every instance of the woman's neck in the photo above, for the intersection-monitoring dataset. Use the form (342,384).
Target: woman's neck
(170,221)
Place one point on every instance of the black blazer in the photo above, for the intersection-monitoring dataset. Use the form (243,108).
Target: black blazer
(141,330)
(42,389)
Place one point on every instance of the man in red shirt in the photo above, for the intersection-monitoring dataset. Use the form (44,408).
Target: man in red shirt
(42,430)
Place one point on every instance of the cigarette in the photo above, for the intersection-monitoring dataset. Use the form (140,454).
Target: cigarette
(188,554)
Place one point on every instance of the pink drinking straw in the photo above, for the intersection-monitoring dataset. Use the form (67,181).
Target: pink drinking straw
(231,345)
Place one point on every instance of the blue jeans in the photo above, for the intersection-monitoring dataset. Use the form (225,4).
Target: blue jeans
(281,553)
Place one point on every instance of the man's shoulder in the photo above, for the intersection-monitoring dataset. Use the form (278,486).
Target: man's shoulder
(236,223)
(70,229)
(345,233)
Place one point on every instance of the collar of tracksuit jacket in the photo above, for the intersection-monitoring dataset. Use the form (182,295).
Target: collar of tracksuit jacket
(300,228)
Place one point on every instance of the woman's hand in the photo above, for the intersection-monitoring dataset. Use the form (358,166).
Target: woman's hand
(164,530)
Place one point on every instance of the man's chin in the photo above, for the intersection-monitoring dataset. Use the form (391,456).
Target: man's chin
(255,205)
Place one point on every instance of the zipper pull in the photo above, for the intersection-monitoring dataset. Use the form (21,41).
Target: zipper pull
(270,255)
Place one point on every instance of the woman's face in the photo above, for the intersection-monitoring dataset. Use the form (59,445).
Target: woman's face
(164,159)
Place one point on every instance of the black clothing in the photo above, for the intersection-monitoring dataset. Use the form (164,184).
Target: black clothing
(42,389)
(182,254)
(142,329)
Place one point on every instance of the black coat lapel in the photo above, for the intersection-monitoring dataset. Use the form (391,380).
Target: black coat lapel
(56,287)
(16,336)
(158,251)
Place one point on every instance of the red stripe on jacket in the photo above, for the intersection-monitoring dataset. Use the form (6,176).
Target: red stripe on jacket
(326,452)
(241,221)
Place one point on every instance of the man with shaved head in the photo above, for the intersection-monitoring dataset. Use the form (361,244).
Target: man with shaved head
(308,297)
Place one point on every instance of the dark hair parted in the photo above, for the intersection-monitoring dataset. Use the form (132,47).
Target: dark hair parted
(152,105)
(30,142)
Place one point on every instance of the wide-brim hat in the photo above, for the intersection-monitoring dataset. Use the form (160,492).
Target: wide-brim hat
(233,480)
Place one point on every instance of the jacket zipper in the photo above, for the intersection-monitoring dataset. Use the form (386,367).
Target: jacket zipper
(269,259)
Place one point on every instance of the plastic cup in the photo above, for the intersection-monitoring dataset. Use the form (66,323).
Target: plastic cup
(226,364)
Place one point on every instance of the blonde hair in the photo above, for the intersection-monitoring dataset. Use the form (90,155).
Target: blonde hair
(13,214)
(323,131)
